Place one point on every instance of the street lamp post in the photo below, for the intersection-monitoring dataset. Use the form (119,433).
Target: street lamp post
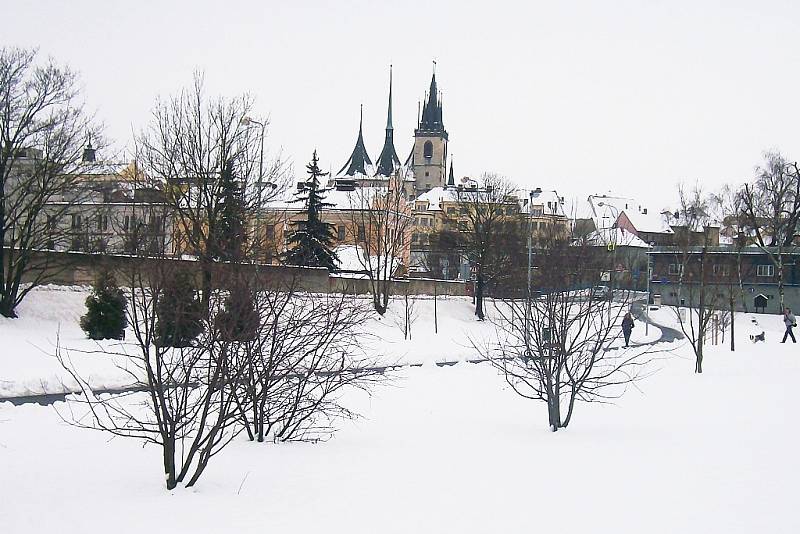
(613,254)
(247,121)
(533,194)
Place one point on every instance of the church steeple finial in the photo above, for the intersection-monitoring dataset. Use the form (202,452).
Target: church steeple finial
(389,115)
(388,161)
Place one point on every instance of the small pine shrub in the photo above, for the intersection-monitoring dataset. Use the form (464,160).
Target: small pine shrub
(105,309)
(179,313)
(239,319)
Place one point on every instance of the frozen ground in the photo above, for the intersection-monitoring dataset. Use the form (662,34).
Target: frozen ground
(450,449)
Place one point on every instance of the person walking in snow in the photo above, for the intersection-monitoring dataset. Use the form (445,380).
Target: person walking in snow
(627,327)
(790,322)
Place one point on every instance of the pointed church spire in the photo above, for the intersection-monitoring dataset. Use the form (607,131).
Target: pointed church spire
(451,180)
(388,161)
(359,160)
(432,108)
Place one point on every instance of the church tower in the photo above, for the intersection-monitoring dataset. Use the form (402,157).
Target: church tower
(429,157)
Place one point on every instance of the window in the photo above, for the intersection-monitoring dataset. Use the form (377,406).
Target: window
(270,231)
(102,222)
(126,223)
(765,270)
(427,151)
(76,221)
(52,222)
(340,233)
(675,268)
(451,211)
(414,237)
(537,211)
(362,235)
(720,270)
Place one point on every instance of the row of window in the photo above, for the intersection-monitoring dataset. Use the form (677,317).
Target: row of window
(100,222)
(341,232)
(764,271)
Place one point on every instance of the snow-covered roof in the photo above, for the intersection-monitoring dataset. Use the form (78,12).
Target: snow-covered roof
(605,209)
(648,222)
(549,200)
(340,199)
(551,203)
(435,196)
(617,236)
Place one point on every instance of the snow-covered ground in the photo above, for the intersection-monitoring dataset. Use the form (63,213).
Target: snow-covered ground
(442,449)
(49,316)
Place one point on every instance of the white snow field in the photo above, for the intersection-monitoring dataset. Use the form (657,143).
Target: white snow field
(441,450)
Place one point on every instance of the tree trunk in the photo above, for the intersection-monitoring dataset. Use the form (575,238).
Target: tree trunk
(780,281)
(733,322)
(479,283)
(435,311)
(168,450)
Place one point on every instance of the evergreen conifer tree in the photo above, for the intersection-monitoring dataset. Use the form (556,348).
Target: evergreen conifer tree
(105,309)
(179,313)
(311,242)
(239,319)
(230,223)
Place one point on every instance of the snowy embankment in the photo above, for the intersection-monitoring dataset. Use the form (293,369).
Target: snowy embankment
(49,317)
(450,449)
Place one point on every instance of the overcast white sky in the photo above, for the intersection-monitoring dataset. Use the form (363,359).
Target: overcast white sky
(583,97)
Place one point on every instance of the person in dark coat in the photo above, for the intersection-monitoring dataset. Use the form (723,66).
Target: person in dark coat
(627,327)
(790,322)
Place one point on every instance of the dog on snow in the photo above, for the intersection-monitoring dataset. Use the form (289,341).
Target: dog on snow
(755,338)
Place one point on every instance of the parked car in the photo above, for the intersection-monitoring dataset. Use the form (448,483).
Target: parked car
(601,293)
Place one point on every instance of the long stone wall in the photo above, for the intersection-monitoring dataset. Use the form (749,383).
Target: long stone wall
(79,268)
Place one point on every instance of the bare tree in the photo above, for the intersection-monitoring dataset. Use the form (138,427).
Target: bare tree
(486,225)
(43,127)
(410,314)
(698,297)
(208,155)
(180,399)
(305,353)
(561,344)
(728,206)
(771,210)
(380,226)
(271,362)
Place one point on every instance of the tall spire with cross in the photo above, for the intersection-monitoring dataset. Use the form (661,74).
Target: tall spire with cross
(388,161)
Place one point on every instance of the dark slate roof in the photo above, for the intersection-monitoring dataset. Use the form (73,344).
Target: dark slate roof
(388,161)
(359,159)
(432,111)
